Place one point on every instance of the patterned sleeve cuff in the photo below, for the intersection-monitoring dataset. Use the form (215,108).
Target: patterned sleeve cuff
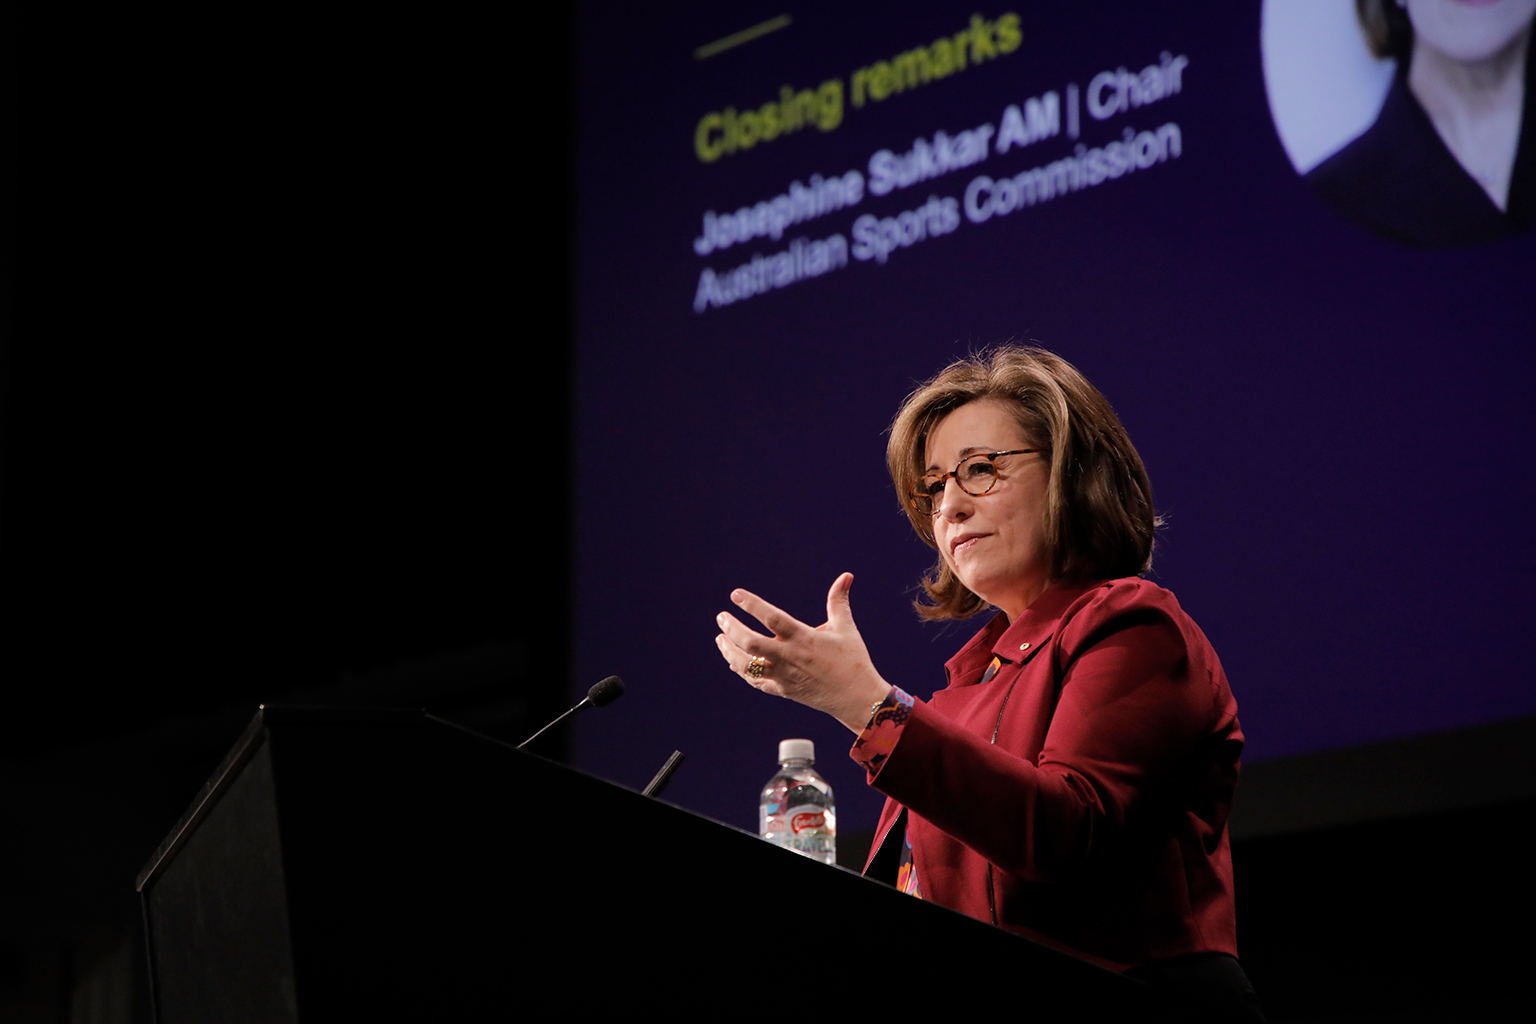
(879,737)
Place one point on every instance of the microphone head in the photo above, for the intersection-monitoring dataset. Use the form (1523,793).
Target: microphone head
(606,692)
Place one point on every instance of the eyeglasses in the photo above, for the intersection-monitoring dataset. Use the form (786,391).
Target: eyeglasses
(976,475)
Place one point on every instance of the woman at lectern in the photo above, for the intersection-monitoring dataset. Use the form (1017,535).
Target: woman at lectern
(1072,780)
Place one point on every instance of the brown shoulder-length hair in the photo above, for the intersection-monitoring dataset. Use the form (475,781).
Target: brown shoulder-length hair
(1388,32)
(1098,516)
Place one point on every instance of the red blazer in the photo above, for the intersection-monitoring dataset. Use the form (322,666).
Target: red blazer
(1080,796)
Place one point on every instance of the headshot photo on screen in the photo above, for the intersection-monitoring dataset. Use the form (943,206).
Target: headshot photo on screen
(1408,116)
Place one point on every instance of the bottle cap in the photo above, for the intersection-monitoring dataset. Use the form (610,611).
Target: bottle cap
(797,749)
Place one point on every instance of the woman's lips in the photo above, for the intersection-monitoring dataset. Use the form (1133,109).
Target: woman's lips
(966,542)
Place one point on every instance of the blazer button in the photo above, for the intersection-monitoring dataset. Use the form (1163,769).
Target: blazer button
(1023,647)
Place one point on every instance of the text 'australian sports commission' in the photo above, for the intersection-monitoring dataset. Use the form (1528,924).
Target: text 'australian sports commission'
(876,238)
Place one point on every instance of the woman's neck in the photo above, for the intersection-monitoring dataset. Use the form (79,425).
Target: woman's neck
(1015,604)
(1475,108)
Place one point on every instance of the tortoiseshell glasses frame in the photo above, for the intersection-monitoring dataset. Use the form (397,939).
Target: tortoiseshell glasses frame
(976,474)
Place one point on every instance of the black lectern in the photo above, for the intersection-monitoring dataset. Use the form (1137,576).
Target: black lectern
(363,865)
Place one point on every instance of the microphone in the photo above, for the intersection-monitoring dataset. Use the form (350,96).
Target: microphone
(604,692)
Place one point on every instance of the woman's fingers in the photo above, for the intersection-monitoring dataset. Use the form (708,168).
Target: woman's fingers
(839,608)
(748,640)
(783,624)
(740,662)
(736,659)
(785,627)
(740,659)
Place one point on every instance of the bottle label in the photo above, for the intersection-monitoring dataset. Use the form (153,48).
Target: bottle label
(810,831)
(807,819)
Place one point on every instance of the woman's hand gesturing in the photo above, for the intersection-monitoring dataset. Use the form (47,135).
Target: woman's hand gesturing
(826,667)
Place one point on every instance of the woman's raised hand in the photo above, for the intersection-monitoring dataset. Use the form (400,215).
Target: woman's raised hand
(826,667)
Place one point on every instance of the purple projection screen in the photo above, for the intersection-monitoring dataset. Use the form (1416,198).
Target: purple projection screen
(779,238)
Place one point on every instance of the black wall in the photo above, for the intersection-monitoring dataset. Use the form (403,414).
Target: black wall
(273,379)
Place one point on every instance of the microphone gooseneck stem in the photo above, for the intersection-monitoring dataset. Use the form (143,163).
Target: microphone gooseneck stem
(584,702)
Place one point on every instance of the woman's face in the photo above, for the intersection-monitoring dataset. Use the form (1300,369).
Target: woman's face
(1469,30)
(994,542)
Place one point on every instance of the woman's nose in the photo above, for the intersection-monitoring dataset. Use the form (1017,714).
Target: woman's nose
(954,503)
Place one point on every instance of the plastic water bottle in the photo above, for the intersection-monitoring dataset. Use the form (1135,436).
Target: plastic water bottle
(796,810)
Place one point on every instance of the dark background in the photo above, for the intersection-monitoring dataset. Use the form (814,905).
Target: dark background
(285,353)
(289,375)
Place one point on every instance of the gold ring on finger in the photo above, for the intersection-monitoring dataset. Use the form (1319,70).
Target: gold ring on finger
(756,666)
